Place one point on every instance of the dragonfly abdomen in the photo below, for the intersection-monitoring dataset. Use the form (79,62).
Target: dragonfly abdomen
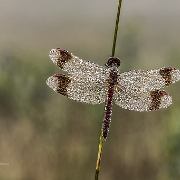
(112,83)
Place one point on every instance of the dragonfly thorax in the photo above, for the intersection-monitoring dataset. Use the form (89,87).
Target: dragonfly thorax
(113,61)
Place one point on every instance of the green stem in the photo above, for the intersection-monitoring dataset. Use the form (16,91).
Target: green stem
(99,156)
(116,29)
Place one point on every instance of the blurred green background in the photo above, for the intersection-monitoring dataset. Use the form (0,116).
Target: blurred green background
(47,136)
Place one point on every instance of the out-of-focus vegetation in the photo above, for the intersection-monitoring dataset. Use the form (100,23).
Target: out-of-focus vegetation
(46,136)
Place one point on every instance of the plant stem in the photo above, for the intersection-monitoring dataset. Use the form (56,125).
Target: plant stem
(116,28)
(99,156)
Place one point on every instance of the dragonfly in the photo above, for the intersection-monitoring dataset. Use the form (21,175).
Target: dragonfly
(91,83)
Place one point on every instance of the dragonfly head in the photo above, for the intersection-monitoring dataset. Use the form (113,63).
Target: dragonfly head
(113,61)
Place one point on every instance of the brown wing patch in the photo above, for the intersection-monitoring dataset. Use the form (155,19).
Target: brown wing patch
(166,74)
(156,99)
(63,82)
(60,57)
(59,83)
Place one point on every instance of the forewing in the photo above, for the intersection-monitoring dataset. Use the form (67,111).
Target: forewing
(148,80)
(74,65)
(80,89)
(138,90)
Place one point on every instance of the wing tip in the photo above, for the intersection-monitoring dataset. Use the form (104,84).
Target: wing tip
(175,75)
(52,82)
(60,56)
(59,83)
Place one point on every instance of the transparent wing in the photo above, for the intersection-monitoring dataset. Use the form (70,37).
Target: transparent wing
(80,88)
(74,65)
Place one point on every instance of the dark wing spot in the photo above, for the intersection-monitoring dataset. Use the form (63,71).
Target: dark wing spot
(64,57)
(156,97)
(63,82)
(166,74)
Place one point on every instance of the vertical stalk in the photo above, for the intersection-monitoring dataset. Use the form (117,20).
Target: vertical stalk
(99,156)
(116,28)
